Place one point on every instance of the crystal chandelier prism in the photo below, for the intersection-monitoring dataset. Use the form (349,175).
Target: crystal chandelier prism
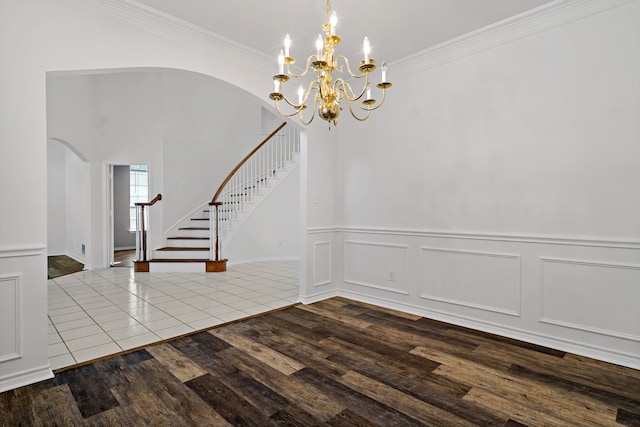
(327,93)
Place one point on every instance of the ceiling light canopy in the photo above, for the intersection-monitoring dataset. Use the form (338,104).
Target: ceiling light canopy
(329,94)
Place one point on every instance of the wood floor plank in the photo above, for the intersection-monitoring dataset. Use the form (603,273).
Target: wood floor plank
(299,393)
(262,398)
(481,337)
(153,396)
(276,360)
(564,405)
(555,379)
(377,309)
(600,367)
(226,402)
(335,314)
(514,410)
(348,418)
(628,418)
(426,392)
(359,403)
(390,349)
(91,397)
(389,334)
(422,411)
(177,363)
(59,406)
(346,355)
(610,386)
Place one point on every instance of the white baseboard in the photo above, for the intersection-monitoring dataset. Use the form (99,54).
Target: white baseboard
(265,259)
(124,248)
(20,379)
(310,299)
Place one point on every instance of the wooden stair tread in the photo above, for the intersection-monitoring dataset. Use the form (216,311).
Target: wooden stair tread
(199,219)
(175,248)
(179,260)
(188,238)
(194,228)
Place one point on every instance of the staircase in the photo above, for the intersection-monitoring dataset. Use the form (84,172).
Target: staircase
(195,244)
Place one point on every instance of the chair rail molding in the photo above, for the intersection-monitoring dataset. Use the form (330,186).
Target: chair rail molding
(617,243)
(22,250)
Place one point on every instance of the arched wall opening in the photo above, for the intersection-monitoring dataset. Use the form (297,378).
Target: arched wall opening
(189,128)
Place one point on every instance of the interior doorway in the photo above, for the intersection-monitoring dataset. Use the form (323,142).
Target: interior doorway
(129,184)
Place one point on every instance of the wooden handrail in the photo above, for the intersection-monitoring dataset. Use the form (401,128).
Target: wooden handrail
(242,162)
(151,202)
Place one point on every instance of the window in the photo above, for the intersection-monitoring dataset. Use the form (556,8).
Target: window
(138,190)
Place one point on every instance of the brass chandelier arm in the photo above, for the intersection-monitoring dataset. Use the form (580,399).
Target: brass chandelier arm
(351,73)
(347,90)
(372,106)
(300,106)
(285,114)
(313,110)
(362,119)
(306,70)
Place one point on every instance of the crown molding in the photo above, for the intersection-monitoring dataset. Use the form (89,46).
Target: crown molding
(150,20)
(536,20)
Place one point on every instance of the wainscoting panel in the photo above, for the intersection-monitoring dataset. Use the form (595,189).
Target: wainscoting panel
(377,265)
(322,263)
(9,317)
(23,316)
(481,280)
(597,297)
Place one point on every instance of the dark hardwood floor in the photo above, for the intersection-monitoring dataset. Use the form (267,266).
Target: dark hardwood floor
(124,258)
(61,265)
(334,363)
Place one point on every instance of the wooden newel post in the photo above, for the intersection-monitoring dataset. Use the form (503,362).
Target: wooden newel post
(217,265)
(142,265)
(143,234)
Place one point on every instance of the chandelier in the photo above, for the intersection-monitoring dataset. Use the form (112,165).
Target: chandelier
(329,94)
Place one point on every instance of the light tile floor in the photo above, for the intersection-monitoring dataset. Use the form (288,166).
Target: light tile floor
(96,313)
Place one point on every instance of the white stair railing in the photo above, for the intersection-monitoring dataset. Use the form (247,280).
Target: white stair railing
(247,179)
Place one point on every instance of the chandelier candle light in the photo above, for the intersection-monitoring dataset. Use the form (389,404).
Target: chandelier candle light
(327,92)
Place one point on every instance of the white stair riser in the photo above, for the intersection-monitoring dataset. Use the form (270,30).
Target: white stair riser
(204,254)
(188,243)
(177,267)
(192,233)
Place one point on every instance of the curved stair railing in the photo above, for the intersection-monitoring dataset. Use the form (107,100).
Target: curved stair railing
(253,172)
(142,252)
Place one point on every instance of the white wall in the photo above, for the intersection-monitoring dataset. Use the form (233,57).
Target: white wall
(272,231)
(68,202)
(56,198)
(499,190)
(59,35)
(209,126)
(78,221)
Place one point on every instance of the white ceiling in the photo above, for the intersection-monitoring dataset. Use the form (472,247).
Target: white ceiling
(395,29)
